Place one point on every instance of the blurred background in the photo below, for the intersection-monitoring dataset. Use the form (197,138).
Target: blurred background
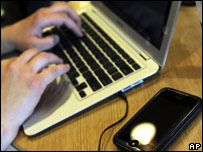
(13,11)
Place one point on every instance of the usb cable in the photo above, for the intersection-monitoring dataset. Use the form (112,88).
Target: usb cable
(122,95)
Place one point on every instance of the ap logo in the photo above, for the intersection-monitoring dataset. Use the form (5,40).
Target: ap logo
(194,146)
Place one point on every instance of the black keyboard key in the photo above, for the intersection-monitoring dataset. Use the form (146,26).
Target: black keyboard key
(93,34)
(105,46)
(47,33)
(126,69)
(117,76)
(136,66)
(95,66)
(83,52)
(108,65)
(73,76)
(126,56)
(121,51)
(112,71)
(113,43)
(57,49)
(131,61)
(115,58)
(99,56)
(56,31)
(73,54)
(99,72)
(84,24)
(76,59)
(108,51)
(120,63)
(78,88)
(89,59)
(83,85)
(64,28)
(67,46)
(87,74)
(83,69)
(79,64)
(75,82)
(94,84)
(82,94)
(85,38)
(72,70)
(70,51)
(61,54)
(96,52)
(105,80)
(101,43)
(87,17)
(88,29)
(87,41)
(103,60)
(77,44)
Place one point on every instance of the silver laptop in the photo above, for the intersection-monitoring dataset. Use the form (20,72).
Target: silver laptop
(124,43)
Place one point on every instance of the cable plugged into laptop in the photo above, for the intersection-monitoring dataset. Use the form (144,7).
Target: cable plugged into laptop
(122,95)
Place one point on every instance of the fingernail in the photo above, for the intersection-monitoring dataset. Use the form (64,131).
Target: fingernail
(80,33)
(68,66)
(56,39)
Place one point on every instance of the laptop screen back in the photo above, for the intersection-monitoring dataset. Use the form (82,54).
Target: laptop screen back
(148,18)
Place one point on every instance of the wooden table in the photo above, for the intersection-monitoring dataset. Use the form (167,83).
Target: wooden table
(183,71)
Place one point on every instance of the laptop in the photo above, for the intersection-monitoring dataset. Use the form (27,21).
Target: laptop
(124,43)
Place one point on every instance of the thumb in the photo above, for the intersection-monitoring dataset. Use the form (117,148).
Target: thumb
(47,42)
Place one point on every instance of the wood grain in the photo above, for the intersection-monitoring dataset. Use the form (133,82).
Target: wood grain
(183,71)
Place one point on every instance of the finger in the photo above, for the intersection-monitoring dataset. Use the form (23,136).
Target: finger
(8,61)
(51,73)
(71,12)
(27,55)
(59,19)
(64,7)
(43,60)
(75,17)
(45,43)
(5,63)
(23,58)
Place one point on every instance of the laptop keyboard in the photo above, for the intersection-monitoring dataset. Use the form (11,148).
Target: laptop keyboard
(95,57)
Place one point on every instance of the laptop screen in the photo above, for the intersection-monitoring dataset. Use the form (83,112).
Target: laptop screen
(148,18)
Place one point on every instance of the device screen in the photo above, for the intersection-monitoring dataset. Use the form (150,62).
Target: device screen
(148,18)
(158,120)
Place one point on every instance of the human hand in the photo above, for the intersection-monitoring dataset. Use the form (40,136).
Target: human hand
(23,81)
(27,33)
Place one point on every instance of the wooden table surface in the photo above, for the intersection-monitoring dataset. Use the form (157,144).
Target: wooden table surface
(183,71)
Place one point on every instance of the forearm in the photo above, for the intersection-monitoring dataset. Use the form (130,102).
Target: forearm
(7,137)
(7,44)
(4,143)
(9,129)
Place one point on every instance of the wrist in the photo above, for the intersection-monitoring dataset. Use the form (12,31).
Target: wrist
(8,134)
(4,141)
(7,42)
